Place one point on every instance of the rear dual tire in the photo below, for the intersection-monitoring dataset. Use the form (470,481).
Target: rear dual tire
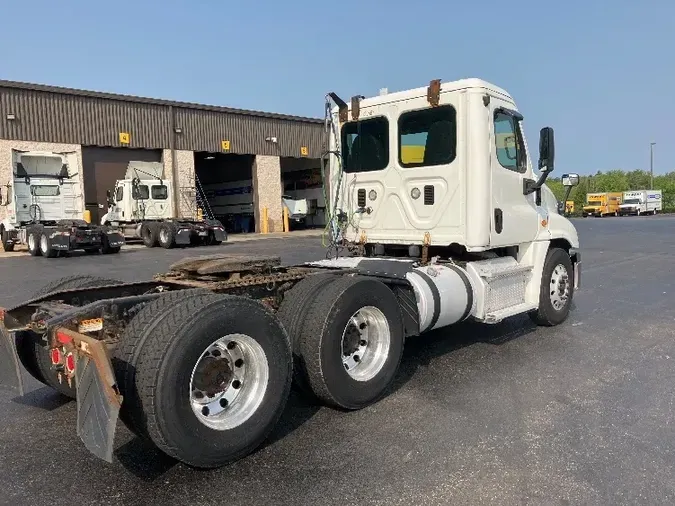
(348,339)
(32,348)
(162,396)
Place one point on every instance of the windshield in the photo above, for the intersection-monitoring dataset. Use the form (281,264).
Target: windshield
(365,145)
(632,201)
(595,203)
(44,190)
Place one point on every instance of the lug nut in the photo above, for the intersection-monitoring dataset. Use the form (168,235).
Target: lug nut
(205,411)
(215,353)
(356,358)
(236,384)
(223,403)
(231,345)
(362,342)
(239,362)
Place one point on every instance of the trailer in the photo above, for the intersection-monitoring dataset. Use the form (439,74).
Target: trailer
(641,202)
(140,207)
(42,209)
(199,360)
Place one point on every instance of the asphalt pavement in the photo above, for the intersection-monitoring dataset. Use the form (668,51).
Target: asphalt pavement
(507,414)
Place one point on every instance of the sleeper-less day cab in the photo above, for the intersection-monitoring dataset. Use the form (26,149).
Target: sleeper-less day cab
(435,199)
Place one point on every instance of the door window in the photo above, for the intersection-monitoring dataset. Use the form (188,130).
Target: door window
(119,194)
(509,142)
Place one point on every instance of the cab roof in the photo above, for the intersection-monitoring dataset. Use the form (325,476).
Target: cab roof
(461,84)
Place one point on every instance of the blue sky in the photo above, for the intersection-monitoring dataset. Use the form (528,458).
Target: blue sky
(601,73)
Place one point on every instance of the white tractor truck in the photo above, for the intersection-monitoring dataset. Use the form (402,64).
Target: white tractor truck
(641,202)
(42,208)
(140,207)
(200,360)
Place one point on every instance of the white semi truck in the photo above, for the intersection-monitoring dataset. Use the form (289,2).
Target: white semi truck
(140,207)
(641,202)
(43,208)
(200,360)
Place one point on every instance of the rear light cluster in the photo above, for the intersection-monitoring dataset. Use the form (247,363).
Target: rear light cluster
(62,359)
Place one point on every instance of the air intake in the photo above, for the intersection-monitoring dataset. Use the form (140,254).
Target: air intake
(428,195)
(361,197)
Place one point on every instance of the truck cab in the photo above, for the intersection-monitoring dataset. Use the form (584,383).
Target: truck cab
(141,195)
(445,171)
(44,187)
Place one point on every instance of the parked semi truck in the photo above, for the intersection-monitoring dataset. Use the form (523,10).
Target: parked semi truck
(200,360)
(140,207)
(641,202)
(602,204)
(42,208)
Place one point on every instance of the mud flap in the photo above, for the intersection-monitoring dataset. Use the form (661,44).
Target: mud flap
(10,370)
(97,413)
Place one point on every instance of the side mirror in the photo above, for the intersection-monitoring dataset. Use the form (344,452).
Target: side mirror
(570,179)
(546,149)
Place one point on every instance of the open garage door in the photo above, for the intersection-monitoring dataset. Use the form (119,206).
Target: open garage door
(301,180)
(227,183)
(102,167)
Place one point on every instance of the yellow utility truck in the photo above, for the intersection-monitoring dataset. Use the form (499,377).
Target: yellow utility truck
(602,204)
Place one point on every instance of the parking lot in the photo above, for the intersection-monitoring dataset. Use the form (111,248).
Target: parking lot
(507,414)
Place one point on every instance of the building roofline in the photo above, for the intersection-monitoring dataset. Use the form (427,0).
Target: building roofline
(151,101)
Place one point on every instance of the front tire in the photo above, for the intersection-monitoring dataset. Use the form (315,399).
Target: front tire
(199,356)
(7,244)
(352,342)
(557,290)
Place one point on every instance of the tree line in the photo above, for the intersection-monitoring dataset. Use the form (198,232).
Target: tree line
(616,181)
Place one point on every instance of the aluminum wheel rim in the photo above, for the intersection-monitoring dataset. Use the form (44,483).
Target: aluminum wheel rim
(365,344)
(43,243)
(560,287)
(31,242)
(236,372)
(163,236)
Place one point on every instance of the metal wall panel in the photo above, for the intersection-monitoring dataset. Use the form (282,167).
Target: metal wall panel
(49,114)
(71,119)
(203,130)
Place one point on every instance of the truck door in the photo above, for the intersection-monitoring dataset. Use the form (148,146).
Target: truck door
(515,217)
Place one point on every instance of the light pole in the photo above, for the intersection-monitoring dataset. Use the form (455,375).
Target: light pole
(651,165)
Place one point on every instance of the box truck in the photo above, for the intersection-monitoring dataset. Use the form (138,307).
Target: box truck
(641,202)
(602,204)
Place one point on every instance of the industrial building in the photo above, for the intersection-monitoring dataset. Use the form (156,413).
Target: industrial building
(244,160)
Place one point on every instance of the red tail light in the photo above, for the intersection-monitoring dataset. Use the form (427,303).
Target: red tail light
(56,356)
(63,338)
(70,363)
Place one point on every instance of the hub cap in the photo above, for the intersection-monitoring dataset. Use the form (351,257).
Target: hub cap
(163,236)
(560,287)
(229,381)
(43,243)
(31,242)
(365,343)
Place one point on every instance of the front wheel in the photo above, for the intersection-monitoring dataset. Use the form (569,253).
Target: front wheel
(555,295)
